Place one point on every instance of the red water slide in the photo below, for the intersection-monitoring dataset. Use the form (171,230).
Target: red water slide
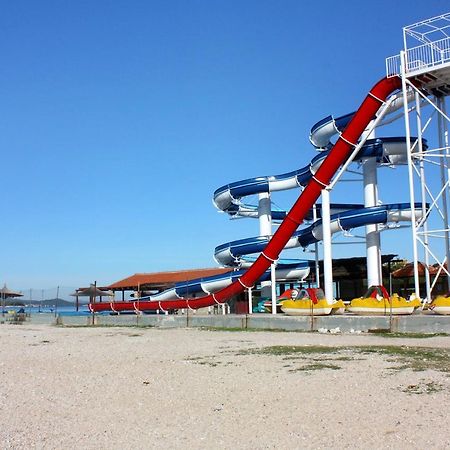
(337,156)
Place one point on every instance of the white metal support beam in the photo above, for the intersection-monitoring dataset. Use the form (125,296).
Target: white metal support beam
(373,242)
(327,252)
(444,169)
(273,288)
(423,192)
(316,251)
(410,172)
(265,229)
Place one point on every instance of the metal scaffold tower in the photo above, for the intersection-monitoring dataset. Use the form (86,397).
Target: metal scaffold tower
(424,67)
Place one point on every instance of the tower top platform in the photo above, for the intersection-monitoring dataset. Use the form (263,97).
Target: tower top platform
(426,54)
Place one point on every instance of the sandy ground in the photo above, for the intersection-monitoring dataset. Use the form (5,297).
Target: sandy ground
(128,388)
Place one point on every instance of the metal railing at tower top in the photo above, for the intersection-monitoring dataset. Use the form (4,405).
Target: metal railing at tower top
(434,50)
(421,58)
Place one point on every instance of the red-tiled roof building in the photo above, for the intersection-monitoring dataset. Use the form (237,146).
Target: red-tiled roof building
(162,280)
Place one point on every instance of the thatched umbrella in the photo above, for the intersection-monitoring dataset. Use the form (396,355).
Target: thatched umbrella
(7,293)
(92,292)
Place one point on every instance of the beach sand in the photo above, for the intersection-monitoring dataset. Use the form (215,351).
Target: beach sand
(130,388)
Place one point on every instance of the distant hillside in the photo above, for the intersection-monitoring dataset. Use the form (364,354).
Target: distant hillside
(53,302)
(14,302)
(47,303)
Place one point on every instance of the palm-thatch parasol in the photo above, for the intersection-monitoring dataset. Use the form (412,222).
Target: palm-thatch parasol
(7,293)
(92,292)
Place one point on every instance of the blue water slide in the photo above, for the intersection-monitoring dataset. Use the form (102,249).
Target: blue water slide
(228,198)
(278,215)
(286,270)
(387,151)
(322,132)
(391,150)
(233,253)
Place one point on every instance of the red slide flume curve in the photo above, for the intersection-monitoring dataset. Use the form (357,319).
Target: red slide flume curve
(340,152)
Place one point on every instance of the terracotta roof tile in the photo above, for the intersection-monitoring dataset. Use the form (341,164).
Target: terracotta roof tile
(164,278)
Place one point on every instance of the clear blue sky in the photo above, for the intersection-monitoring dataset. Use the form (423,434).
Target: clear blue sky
(120,119)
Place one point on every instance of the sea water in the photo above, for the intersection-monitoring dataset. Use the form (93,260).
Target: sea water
(60,310)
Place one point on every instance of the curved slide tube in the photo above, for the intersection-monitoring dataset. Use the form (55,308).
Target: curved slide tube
(322,132)
(390,150)
(209,285)
(337,155)
(233,253)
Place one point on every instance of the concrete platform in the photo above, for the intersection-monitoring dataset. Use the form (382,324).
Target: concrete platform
(417,323)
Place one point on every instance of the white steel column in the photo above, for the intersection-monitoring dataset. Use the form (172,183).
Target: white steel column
(265,229)
(316,250)
(424,197)
(273,288)
(264,214)
(373,244)
(327,255)
(250,301)
(410,171)
(443,144)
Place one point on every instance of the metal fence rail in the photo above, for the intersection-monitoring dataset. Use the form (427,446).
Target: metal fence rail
(420,58)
